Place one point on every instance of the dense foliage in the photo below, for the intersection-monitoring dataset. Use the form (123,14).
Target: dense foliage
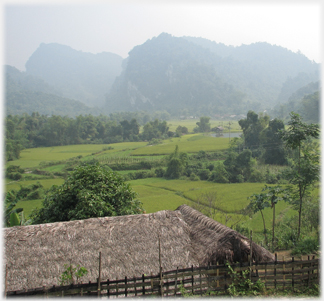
(89,191)
(35,130)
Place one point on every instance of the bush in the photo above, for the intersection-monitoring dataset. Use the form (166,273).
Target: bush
(159,172)
(194,177)
(14,176)
(15,168)
(256,177)
(306,246)
(203,174)
(240,178)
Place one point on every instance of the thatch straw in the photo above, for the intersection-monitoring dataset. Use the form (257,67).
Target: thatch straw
(35,255)
(213,242)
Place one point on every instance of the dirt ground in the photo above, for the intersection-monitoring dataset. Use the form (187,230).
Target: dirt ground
(286,254)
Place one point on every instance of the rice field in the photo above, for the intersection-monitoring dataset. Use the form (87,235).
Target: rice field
(188,143)
(231,199)
(190,124)
(32,157)
(47,183)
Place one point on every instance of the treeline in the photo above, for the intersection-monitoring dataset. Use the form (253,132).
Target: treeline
(35,130)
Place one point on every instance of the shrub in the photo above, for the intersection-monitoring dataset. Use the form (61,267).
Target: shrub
(194,177)
(159,172)
(14,176)
(306,246)
(256,176)
(203,174)
(14,168)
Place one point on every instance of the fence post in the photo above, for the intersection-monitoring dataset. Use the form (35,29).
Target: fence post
(200,281)
(308,282)
(152,284)
(192,280)
(161,279)
(125,286)
(135,289)
(251,255)
(99,276)
(108,290)
(293,275)
(176,282)
(275,271)
(143,280)
(217,274)
(313,264)
(6,279)
(45,291)
(265,275)
(116,287)
(208,276)
(283,270)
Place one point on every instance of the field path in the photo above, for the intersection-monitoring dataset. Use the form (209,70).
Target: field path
(189,199)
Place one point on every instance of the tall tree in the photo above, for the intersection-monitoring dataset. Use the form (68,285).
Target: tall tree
(305,171)
(252,127)
(274,147)
(203,125)
(258,202)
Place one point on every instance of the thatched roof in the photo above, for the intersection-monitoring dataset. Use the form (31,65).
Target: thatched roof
(129,245)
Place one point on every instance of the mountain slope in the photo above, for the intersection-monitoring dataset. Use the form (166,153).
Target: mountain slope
(261,69)
(26,94)
(202,77)
(167,73)
(81,76)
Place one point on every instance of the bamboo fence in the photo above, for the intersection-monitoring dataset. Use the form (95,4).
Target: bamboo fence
(283,274)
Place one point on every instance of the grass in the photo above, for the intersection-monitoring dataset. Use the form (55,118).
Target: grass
(156,199)
(190,124)
(47,183)
(28,206)
(30,158)
(188,143)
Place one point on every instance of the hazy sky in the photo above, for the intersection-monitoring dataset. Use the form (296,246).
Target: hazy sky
(118,26)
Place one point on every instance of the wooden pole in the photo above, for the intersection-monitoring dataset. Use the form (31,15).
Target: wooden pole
(176,282)
(160,263)
(6,281)
(284,269)
(99,277)
(251,255)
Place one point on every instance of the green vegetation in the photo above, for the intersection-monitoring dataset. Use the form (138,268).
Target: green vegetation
(217,176)
(89,191)
(206,143)
(72,275)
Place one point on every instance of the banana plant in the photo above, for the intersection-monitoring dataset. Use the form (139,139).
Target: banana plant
(11,217)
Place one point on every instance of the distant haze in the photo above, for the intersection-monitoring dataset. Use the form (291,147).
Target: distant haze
(118,28)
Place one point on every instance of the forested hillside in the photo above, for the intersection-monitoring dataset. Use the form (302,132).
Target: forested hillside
(262,70)
(180,76)
(81,76)
(27,94)
(196,75)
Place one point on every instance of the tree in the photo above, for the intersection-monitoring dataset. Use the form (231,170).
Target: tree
(239,166)
(203,125)
(274,194)
(176,164)
(89,191)
(252,127)
(259,202)
(11,217)
(305,170)
(274,148)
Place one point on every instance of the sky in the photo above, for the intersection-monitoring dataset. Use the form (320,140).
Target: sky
(118,26)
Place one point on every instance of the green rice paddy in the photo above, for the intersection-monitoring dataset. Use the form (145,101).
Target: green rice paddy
(188,143)
(155,193)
